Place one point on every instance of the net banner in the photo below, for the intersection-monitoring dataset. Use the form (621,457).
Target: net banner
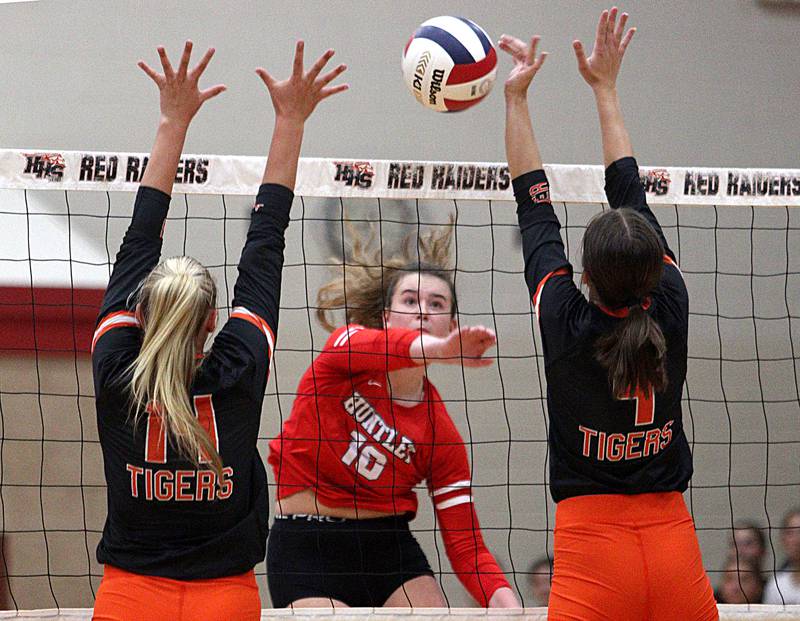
(352,178)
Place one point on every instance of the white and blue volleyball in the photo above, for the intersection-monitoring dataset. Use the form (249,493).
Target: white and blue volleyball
(449,63)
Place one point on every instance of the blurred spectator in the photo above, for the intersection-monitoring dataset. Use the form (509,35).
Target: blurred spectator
(784,586)
(741,582)
(539,574)
(747,542)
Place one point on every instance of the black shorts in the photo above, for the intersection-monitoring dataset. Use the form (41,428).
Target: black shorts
(358,562)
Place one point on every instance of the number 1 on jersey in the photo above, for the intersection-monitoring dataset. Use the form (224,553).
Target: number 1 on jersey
(645,406)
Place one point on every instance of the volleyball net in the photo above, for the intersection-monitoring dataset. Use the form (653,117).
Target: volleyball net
(63,214)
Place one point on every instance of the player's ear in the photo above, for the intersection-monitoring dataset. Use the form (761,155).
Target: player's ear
(453,324)
(211,320)
(138,314)
(385,318)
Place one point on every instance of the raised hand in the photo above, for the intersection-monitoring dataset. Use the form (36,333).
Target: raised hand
(465,345)
(296,97)
(526,64)
(600,70)
(180,96)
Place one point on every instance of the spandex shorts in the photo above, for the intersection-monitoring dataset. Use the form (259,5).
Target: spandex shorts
(125,596)
(628,558)
(358,562)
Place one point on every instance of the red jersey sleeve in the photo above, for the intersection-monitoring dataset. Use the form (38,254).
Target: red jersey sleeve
(450,487)
(355,349)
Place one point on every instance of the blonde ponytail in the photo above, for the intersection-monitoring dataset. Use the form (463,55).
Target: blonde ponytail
(175,300)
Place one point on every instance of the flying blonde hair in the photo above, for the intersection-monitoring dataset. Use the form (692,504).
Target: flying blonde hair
(368,276)
(175,299)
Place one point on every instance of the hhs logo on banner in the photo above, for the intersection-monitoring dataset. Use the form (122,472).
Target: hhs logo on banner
(355,174)
(656,181)
(48,166)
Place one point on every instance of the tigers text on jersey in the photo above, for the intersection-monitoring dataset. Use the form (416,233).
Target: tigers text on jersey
(600,445)
(165,516)
(354,447)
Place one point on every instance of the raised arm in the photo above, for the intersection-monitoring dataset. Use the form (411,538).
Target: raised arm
(542,246)
(180,99)
(256,295)
(521,147)
(294,99)
(600,70)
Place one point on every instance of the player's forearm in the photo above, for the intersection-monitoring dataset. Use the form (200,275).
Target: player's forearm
(522,150)
(616,141)
(425,349)
(475,566)
(163,163)
(284,152)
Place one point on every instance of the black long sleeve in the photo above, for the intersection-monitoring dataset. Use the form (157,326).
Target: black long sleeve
(140,250)
(542,246)
(624,189)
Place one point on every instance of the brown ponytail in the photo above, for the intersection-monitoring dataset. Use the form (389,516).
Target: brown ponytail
(623,262)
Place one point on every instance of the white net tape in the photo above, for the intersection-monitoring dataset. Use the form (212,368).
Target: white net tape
(352,178)
(727,612)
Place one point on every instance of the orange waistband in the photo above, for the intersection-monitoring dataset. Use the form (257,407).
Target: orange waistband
(621,509)
(112,572)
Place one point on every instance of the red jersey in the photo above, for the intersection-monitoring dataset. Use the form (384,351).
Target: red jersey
(354,447)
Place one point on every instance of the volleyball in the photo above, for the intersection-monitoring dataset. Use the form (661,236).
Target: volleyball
(449,64)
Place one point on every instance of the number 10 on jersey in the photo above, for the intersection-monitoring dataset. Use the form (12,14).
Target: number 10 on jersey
(369,460)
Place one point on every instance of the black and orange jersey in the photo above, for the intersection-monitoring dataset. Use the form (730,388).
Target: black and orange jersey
(167,517)
(598,444)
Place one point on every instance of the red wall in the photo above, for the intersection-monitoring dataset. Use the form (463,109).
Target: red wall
(49,320)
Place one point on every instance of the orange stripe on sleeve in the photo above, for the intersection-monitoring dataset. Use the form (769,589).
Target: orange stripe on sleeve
(240,312)
(668,261)
(120,319)
(538,295)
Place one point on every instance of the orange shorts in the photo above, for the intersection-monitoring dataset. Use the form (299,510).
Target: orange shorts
(125,596)
(628,558)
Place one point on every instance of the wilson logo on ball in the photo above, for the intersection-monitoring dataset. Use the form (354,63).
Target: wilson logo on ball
(449,64)
(419,74)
